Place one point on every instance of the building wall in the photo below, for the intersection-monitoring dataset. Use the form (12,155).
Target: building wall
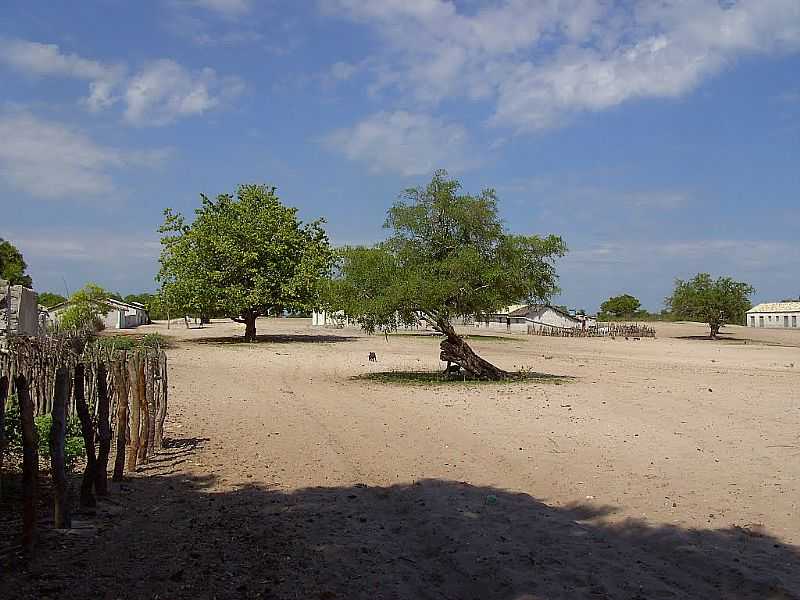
(776,320)
(19,310)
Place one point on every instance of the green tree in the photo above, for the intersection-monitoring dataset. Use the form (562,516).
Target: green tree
(12,265)
(448,256)
(244,257)
(86,308)
(621,306)
(715,302)
(50,299)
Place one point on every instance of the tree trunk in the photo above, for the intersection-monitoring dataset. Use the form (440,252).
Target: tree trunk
(87,483)
(103,432)
(250,327)
(30,463)
(58,468)
(455,350)
(714,330)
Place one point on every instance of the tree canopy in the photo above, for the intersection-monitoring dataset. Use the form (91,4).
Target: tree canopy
(448,256)
(50,299)
(711,301)
(624,305)
(242,256)
(12,265)
(86,308)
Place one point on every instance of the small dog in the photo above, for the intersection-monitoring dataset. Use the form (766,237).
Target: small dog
(373,357)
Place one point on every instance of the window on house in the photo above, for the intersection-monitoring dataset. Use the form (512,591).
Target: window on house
(785,320)
(760,321)
(794,321)
(752,321)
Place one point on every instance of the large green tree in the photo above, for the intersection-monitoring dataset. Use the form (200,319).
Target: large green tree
(624,305)
(713,301)
(242,256)
(448,256)
(12,265)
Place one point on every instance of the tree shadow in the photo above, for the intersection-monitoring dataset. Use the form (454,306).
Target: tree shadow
(183,537)
(462,378)
(291,338)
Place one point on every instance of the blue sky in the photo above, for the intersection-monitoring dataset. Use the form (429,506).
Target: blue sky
(659,139)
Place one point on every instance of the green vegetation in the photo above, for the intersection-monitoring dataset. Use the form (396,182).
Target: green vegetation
(131,342)
(243,257)
(12,265)
(440,378)
(74,448)
(448,256)
(49,299)
(86,309)
(624,306)
(715,302)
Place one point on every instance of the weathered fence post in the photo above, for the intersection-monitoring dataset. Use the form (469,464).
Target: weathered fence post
(121,387)
(30,462)
(87,430)
(58,433)
(135,409)
(152,369)
(162,399)
(103,431)
(4,385)
(144,406)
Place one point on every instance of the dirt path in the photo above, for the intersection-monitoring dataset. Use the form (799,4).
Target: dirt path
(662,469)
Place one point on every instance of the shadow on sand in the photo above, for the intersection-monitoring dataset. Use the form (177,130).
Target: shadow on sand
(181,537)
(288,338)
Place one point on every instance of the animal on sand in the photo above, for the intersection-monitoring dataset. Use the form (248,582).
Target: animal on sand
(373,357)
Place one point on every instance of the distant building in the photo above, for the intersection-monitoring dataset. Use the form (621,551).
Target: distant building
(519,317)
(121,315)
(774,315)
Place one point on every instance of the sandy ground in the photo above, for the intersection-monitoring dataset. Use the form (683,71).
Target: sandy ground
(665,468)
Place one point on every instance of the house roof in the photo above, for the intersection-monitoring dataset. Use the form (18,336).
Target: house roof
(769,307)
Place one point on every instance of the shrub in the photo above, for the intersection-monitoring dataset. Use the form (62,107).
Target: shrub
(74,448)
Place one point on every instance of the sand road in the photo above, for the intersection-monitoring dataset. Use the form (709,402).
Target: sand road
(665,468)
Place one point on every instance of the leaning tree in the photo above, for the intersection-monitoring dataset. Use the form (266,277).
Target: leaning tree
(711,301)
(242,257)
(448,256)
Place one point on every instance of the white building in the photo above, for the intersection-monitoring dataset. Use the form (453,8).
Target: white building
(519,317)
(121,315)
(774,315)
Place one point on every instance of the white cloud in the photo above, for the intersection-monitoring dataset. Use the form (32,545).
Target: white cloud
(405,143)
(164,91)
(542,62)
(51,160)
(161,92)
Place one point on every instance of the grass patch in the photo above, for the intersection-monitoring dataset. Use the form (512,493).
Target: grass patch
(132,341)
(439,378)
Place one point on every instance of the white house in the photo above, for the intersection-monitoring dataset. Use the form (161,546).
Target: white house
(774,315)
(323,318)
(519,317)
(121,315)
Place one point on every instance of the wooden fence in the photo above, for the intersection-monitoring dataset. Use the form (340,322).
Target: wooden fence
(612,330)
(119,398)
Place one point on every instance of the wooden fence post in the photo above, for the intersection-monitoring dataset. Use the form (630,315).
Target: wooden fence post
(144,406)
(135,409)
(121,387)
(4,385)
(162,399)
(58,433)
(103,431)
(30,462)
(152,369)
(87,430)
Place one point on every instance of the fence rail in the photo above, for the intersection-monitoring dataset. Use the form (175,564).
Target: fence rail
(116,395)
(612,330)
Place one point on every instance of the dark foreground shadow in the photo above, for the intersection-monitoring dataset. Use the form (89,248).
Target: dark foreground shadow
(171,536)
(298,338)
